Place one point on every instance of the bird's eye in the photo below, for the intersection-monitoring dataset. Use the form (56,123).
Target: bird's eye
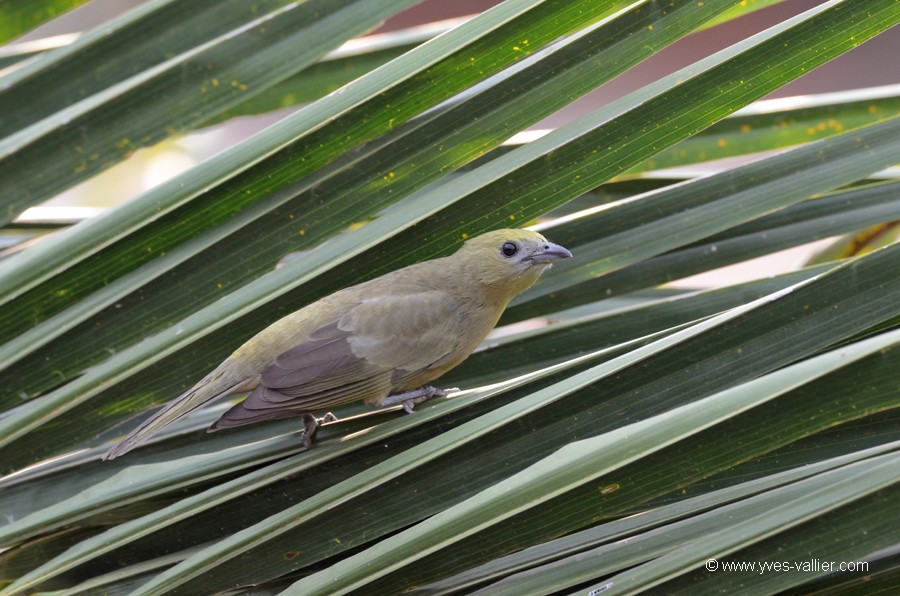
(509,249)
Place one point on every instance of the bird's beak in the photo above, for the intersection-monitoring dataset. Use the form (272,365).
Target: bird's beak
(549,253)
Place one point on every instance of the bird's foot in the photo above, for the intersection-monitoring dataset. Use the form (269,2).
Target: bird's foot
(311,425)
(410,398)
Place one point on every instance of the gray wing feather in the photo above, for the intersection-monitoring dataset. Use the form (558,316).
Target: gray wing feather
(356,357)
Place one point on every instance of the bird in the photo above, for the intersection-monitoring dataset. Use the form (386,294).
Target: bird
(382,341)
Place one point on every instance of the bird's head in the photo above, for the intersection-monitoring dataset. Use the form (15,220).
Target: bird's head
(511,260)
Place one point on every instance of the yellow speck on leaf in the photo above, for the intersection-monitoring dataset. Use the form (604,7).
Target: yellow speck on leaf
(610,488)
(465,236)
(745,128)
(215,82)
(650,27)
(721,143)
(219,285)
(516,48)
(302,232)
(512,218)
(810,131)
(872,109)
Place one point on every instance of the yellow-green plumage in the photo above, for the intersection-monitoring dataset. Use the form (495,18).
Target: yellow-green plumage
(387,336)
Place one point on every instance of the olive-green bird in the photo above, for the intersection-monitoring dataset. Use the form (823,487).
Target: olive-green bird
(382,341)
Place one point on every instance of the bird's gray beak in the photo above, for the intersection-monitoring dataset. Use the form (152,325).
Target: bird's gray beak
(549,253)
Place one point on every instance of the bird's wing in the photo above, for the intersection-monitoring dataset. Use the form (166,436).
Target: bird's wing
(360,355)
(406,332)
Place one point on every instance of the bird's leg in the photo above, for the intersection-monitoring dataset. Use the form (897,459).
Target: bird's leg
(410,398)
(311,425)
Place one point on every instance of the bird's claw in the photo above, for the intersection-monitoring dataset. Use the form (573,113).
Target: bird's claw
(311,425)
(329,417)
(409,399)
(410,404)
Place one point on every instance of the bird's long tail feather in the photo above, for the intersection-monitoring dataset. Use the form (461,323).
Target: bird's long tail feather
(216,384)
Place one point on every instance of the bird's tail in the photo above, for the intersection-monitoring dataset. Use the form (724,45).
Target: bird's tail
(216,384)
